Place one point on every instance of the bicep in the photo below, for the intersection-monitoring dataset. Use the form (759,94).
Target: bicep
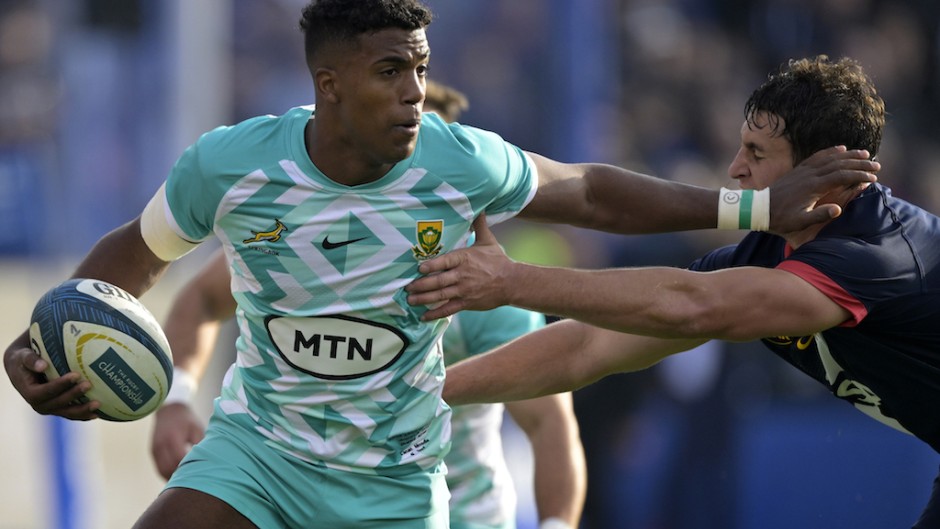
(562,193)
(123,258)
(761,302)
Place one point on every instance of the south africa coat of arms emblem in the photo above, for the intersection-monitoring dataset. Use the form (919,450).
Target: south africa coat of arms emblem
(429,233)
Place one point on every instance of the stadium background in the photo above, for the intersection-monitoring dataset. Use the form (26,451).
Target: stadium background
(98,97)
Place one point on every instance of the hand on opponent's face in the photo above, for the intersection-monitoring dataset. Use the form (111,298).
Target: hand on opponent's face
(795,197)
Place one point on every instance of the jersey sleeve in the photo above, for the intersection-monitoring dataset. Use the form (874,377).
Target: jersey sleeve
(814,263)
(853,274)
(518,185)
(193,189)
(830,288)
(508,172)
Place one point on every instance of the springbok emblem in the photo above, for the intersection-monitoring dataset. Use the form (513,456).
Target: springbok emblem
(270,235)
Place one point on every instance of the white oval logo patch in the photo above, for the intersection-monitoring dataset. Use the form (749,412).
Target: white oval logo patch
(336,347)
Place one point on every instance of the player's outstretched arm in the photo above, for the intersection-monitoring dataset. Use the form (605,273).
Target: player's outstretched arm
(560,479)
(122,258)
(192,329)
(740,304)
(564,356)
(608,198)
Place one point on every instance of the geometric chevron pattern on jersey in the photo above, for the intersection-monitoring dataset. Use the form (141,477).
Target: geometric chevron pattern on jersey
(334,366)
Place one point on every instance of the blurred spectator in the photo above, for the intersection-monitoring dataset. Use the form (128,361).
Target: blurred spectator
(268,60)
(29,100)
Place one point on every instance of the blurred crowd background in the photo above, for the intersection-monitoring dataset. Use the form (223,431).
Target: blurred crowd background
(99,97)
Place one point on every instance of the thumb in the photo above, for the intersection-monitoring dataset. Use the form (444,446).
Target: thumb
(482,231)
(823,213)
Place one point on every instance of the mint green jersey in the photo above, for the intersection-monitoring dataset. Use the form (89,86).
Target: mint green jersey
(333,365)
(482,493)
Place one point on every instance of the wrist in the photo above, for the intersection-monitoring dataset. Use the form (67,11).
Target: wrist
(183,389)
(744,209)
(514,282)
(554,523)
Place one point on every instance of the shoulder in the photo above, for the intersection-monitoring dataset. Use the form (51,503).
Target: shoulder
(260,131)
(467,157)
(877,236)
(874,223)
(877,212)
(456,137)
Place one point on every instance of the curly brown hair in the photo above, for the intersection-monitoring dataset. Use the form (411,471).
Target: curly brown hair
(446,101)
(821,104)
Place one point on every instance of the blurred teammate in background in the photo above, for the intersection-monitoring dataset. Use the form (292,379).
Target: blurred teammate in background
(332,413)
(854,303)
(482,493)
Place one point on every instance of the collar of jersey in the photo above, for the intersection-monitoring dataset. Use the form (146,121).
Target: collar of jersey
(298,121)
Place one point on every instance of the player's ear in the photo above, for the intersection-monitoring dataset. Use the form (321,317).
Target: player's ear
(325,82)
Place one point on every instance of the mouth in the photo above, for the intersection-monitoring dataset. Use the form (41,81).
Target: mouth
(744,182)
(410,127)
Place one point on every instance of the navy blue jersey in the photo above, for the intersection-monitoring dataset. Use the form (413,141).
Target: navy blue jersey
(880,260)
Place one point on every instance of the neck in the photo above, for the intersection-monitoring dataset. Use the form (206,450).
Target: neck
(337,160)
(841,199)
(799,238)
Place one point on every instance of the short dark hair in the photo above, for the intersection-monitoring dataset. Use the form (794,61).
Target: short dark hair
(325,21)
(822,104)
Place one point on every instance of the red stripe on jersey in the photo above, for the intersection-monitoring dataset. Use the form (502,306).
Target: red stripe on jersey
(828,287)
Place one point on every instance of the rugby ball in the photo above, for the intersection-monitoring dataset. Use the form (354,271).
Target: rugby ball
(108,337)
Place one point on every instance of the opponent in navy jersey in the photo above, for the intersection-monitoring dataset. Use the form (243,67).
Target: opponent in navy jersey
(880,259)
(853,303)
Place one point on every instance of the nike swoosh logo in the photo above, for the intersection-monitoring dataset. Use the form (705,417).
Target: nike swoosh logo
(327,245)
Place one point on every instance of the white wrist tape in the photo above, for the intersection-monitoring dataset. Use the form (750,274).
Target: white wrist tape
(744,209)
(554,523)
(183,389)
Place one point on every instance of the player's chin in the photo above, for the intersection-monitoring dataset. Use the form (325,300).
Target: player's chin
(401,150)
